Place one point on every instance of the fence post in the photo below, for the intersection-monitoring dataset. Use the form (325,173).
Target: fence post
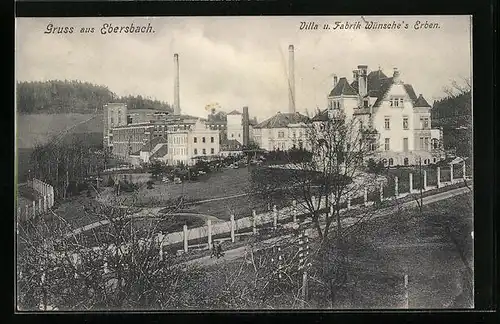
(424,184)
(34,209)
(27,212)
(275,217)
(40,207)
(232,228)
(209,225)
(451,173)
(410,181)
(294,211)
(348,201)
(396,187)
(185,230)
(160,242)
(438,174)
(313,202)
(463,171)
(381,191)
(254,222)
(365,196)
(407,304)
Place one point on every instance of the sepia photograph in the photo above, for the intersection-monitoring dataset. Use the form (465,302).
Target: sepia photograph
(243,163)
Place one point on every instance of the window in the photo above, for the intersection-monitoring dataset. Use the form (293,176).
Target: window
(405,144)
(373,146)
(405,161)
(386,144)
(405,122)
(391,161)
(384,161)
(211,139)
(434,159)
(112,121)
(203,139)
(401,102)
(434,143)
(204,151)
(195,140)
(421,143)
(387,123)
(195,151)
(281,134)
(239,135)
(212,150)
(232,135)
(426,123)
(426,143)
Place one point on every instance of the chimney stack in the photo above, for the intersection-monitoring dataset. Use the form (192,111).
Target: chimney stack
(362,80)
(177,105)
(291,80)
(395,76)
(335,80)
(246,126)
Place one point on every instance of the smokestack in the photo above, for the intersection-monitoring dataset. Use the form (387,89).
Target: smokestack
(395,76)
(291,80)
(335,80)
(362,82)
(177,104)
(246,127)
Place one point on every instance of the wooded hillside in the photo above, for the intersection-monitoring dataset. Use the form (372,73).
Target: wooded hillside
(57,97)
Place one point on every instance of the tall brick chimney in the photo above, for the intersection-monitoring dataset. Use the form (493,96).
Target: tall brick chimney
(396,76)
(362,80)
(177,104)
(291,80)
(246,127)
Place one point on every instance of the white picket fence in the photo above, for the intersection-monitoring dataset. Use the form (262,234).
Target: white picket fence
(39,206)
(274,217)
(271,219)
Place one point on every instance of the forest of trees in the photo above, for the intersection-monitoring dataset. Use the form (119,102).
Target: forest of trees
(56,96)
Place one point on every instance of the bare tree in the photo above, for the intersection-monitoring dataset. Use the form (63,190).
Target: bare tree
(322,180)
(115,266)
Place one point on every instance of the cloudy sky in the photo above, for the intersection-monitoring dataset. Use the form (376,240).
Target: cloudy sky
(241,61)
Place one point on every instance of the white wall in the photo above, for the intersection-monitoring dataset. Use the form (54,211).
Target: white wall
(396,133)
(235,128)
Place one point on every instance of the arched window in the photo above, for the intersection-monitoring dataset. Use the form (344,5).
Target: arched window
(405,161)
(391,161)
(384,161)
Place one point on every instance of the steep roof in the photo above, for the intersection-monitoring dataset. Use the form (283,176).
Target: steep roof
(161,152)
(343,88)
(149,145)
(421,102)
(230,145)
(281,120)
(321,116)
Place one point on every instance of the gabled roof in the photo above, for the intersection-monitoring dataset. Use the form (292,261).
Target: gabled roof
(161,152)
(421,102)
(235,112)
(281,120)
(149,145)
(230,145)
(343,88)
(321,116)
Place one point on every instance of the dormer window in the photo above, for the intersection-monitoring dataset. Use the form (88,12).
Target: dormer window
(365,103)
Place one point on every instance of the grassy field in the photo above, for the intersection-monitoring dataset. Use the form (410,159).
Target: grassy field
(38,128)
(383,250)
